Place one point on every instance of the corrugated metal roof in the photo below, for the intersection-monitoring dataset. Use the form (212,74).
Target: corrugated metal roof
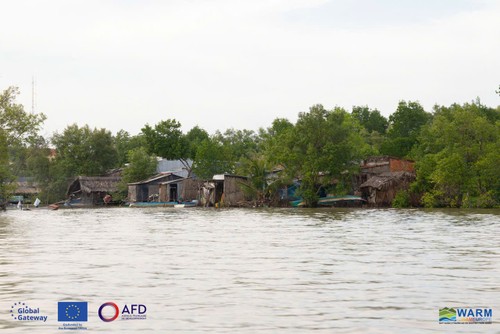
(157,177)
(221,177)
(165,165)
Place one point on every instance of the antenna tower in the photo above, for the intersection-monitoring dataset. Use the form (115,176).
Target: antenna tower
(33,94)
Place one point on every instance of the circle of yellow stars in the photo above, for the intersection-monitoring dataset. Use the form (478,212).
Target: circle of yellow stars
(72,307)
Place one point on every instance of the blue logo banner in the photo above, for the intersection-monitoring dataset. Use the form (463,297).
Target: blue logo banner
(72,311)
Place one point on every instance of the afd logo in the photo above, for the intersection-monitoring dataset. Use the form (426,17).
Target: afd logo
(109,311)
(465,315)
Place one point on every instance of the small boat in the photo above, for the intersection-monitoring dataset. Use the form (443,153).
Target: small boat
(190,204)
(152,204)
(346,200)
(164,204)
(53,206)
(338,201)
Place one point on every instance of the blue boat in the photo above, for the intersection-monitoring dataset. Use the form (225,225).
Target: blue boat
(164,204)
(341,201)
(152,204)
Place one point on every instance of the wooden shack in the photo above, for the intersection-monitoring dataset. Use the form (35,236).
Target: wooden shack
(180,190)
(380,190)
(228,191)
(92,189)
(149,190)
(378,165)
(26,189)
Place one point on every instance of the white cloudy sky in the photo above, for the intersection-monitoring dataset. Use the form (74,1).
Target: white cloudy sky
(120,64)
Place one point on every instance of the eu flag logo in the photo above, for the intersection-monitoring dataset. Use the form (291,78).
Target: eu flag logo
(72,311)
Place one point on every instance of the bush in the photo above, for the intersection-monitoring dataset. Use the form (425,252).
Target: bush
(431,199)
(486,200)
(402,199)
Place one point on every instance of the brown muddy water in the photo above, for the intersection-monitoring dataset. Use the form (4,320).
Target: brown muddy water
(248,270)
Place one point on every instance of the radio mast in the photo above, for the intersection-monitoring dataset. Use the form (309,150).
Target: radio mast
(32,94)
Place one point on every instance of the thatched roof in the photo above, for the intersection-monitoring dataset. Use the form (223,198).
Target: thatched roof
(89,184)
(387,180)
(26,186)
(27,190)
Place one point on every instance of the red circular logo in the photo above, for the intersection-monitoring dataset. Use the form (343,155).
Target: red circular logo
(117,312)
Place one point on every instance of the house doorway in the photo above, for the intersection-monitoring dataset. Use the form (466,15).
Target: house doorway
(172,195)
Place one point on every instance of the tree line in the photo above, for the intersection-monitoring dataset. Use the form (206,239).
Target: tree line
(456,149)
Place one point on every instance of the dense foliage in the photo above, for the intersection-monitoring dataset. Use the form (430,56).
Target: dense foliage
(456,149)
(322,148)
(458,157)
(140,166)
(18,130)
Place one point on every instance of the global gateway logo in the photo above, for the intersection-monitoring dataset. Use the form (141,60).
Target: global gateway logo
(22,312)
(109,311)
(465,315)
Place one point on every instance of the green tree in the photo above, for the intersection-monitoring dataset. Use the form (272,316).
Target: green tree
(124,143)
(256,169)
(277,152)
(18,130)
(275,138)
(374,128)
(194,138)
(19,126)
(38,166)
(6,177)
(166,140)
(407,120)
(82,151)
(102,151)
(458,155)
(404,128)
(371,120)
(212,157)
(323,148)
(240,143)
(20,155)
(141,166)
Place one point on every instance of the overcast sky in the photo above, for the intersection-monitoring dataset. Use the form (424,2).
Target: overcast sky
(119,64)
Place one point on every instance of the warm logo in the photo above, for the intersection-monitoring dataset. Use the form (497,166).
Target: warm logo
(447,314)
(22,312)
(465,315)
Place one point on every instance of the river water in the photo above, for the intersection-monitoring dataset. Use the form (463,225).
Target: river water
(251,270)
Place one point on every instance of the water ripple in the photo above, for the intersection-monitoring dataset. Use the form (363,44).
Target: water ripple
(253,271)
